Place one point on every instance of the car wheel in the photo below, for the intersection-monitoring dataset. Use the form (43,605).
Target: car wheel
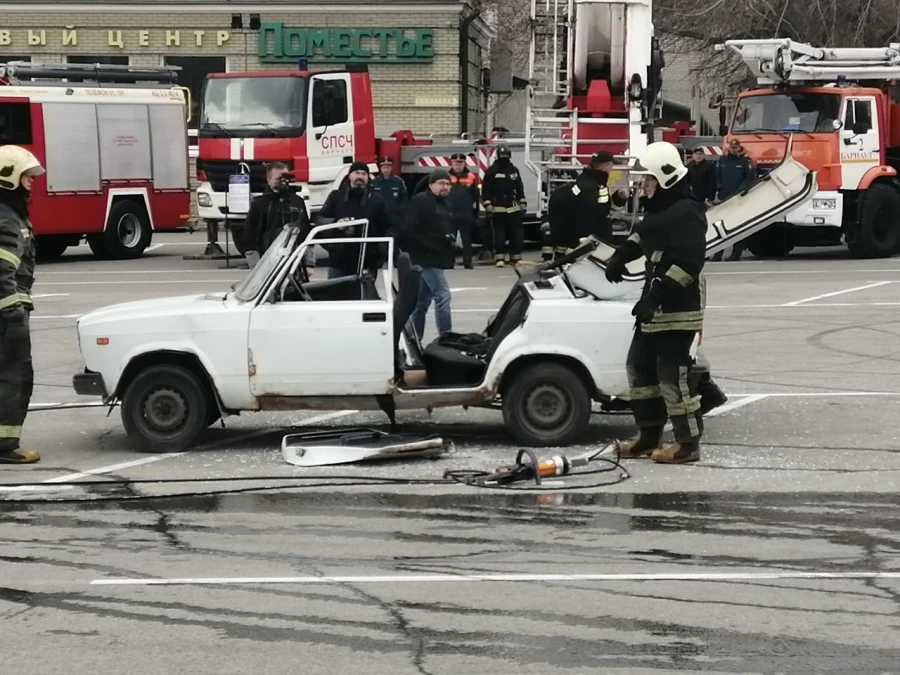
(165,408)
(127,233)
(546,404)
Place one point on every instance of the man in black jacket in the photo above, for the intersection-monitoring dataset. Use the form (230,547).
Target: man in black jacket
(428,235)
(702,176)
(17,254)
(672,238)
(580,210)
(278,206)
(354,201)
(392,190)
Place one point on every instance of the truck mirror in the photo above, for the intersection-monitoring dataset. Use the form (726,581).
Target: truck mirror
(716,101)
(723,129)
(837,124)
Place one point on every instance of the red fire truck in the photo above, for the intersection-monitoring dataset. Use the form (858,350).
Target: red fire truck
(114,142)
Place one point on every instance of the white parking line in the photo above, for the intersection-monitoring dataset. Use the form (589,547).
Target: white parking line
(469,578)
(156,458)
(831,295)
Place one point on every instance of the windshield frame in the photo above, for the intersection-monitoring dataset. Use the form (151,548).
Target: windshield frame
(257,280)
(821,125)
(250,124)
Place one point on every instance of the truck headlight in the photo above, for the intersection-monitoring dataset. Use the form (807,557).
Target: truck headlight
(204,200)
(825,204)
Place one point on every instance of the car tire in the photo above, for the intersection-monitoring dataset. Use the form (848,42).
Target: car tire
(165,408)
(546,404)
(878,229)
(127,234)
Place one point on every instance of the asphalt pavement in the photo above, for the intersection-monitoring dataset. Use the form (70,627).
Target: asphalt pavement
(777,553)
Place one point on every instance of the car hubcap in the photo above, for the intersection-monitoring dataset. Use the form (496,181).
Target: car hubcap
(165,410)
(547,406)
(129,230)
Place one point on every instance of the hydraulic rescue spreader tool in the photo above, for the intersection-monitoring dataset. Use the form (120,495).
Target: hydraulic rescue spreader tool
(535,470)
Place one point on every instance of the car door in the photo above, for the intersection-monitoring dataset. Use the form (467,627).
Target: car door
(304,348)
(860,141)
(331,135)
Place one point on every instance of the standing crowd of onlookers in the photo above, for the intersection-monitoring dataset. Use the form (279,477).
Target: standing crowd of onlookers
(443,209)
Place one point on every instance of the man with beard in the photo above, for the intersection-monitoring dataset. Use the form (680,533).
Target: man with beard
(354,201)
(18,167)
(672,238)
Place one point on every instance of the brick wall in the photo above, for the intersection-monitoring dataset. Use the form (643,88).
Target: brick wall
(423,97)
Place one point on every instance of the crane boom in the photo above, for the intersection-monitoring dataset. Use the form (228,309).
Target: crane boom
(783,61)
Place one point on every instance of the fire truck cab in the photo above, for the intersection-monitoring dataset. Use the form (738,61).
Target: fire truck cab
(315,123)
(113,140)
(840,106)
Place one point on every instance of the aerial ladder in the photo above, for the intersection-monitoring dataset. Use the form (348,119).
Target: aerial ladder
(594,84)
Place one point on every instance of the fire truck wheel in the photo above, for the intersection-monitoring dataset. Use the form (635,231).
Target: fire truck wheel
(127,232)
(51,247)
(878,230)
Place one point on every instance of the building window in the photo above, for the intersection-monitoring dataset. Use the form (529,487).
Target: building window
(10,58)
(194,70)
(15,123)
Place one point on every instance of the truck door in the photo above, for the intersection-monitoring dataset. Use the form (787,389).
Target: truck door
(860,140)
(330,136)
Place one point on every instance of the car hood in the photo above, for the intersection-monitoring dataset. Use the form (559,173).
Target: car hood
(155,308)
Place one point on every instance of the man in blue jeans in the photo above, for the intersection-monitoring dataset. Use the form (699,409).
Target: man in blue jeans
(428,235)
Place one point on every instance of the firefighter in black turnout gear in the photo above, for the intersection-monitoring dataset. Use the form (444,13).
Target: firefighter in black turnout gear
(672,238)
(581,210)
(503,195)
(17,251)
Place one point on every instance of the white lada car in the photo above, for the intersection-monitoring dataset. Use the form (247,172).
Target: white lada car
(280,342)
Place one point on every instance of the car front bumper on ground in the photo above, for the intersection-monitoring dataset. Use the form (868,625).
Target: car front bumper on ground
(89,384)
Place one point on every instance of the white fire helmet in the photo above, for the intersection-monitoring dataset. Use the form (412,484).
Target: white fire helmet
(16,162)
(662,161)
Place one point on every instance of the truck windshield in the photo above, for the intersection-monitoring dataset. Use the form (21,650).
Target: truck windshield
(786,112)
(261,105)
(271,260)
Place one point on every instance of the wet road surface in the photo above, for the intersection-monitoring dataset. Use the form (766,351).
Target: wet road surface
(387,619)
(776,553)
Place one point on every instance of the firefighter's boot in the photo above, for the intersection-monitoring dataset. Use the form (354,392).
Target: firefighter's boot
(643,446)
(677,453)
(19,457)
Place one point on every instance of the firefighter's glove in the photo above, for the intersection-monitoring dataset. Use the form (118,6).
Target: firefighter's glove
(646,307)
(13,314)
(545,228)
(615,269)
